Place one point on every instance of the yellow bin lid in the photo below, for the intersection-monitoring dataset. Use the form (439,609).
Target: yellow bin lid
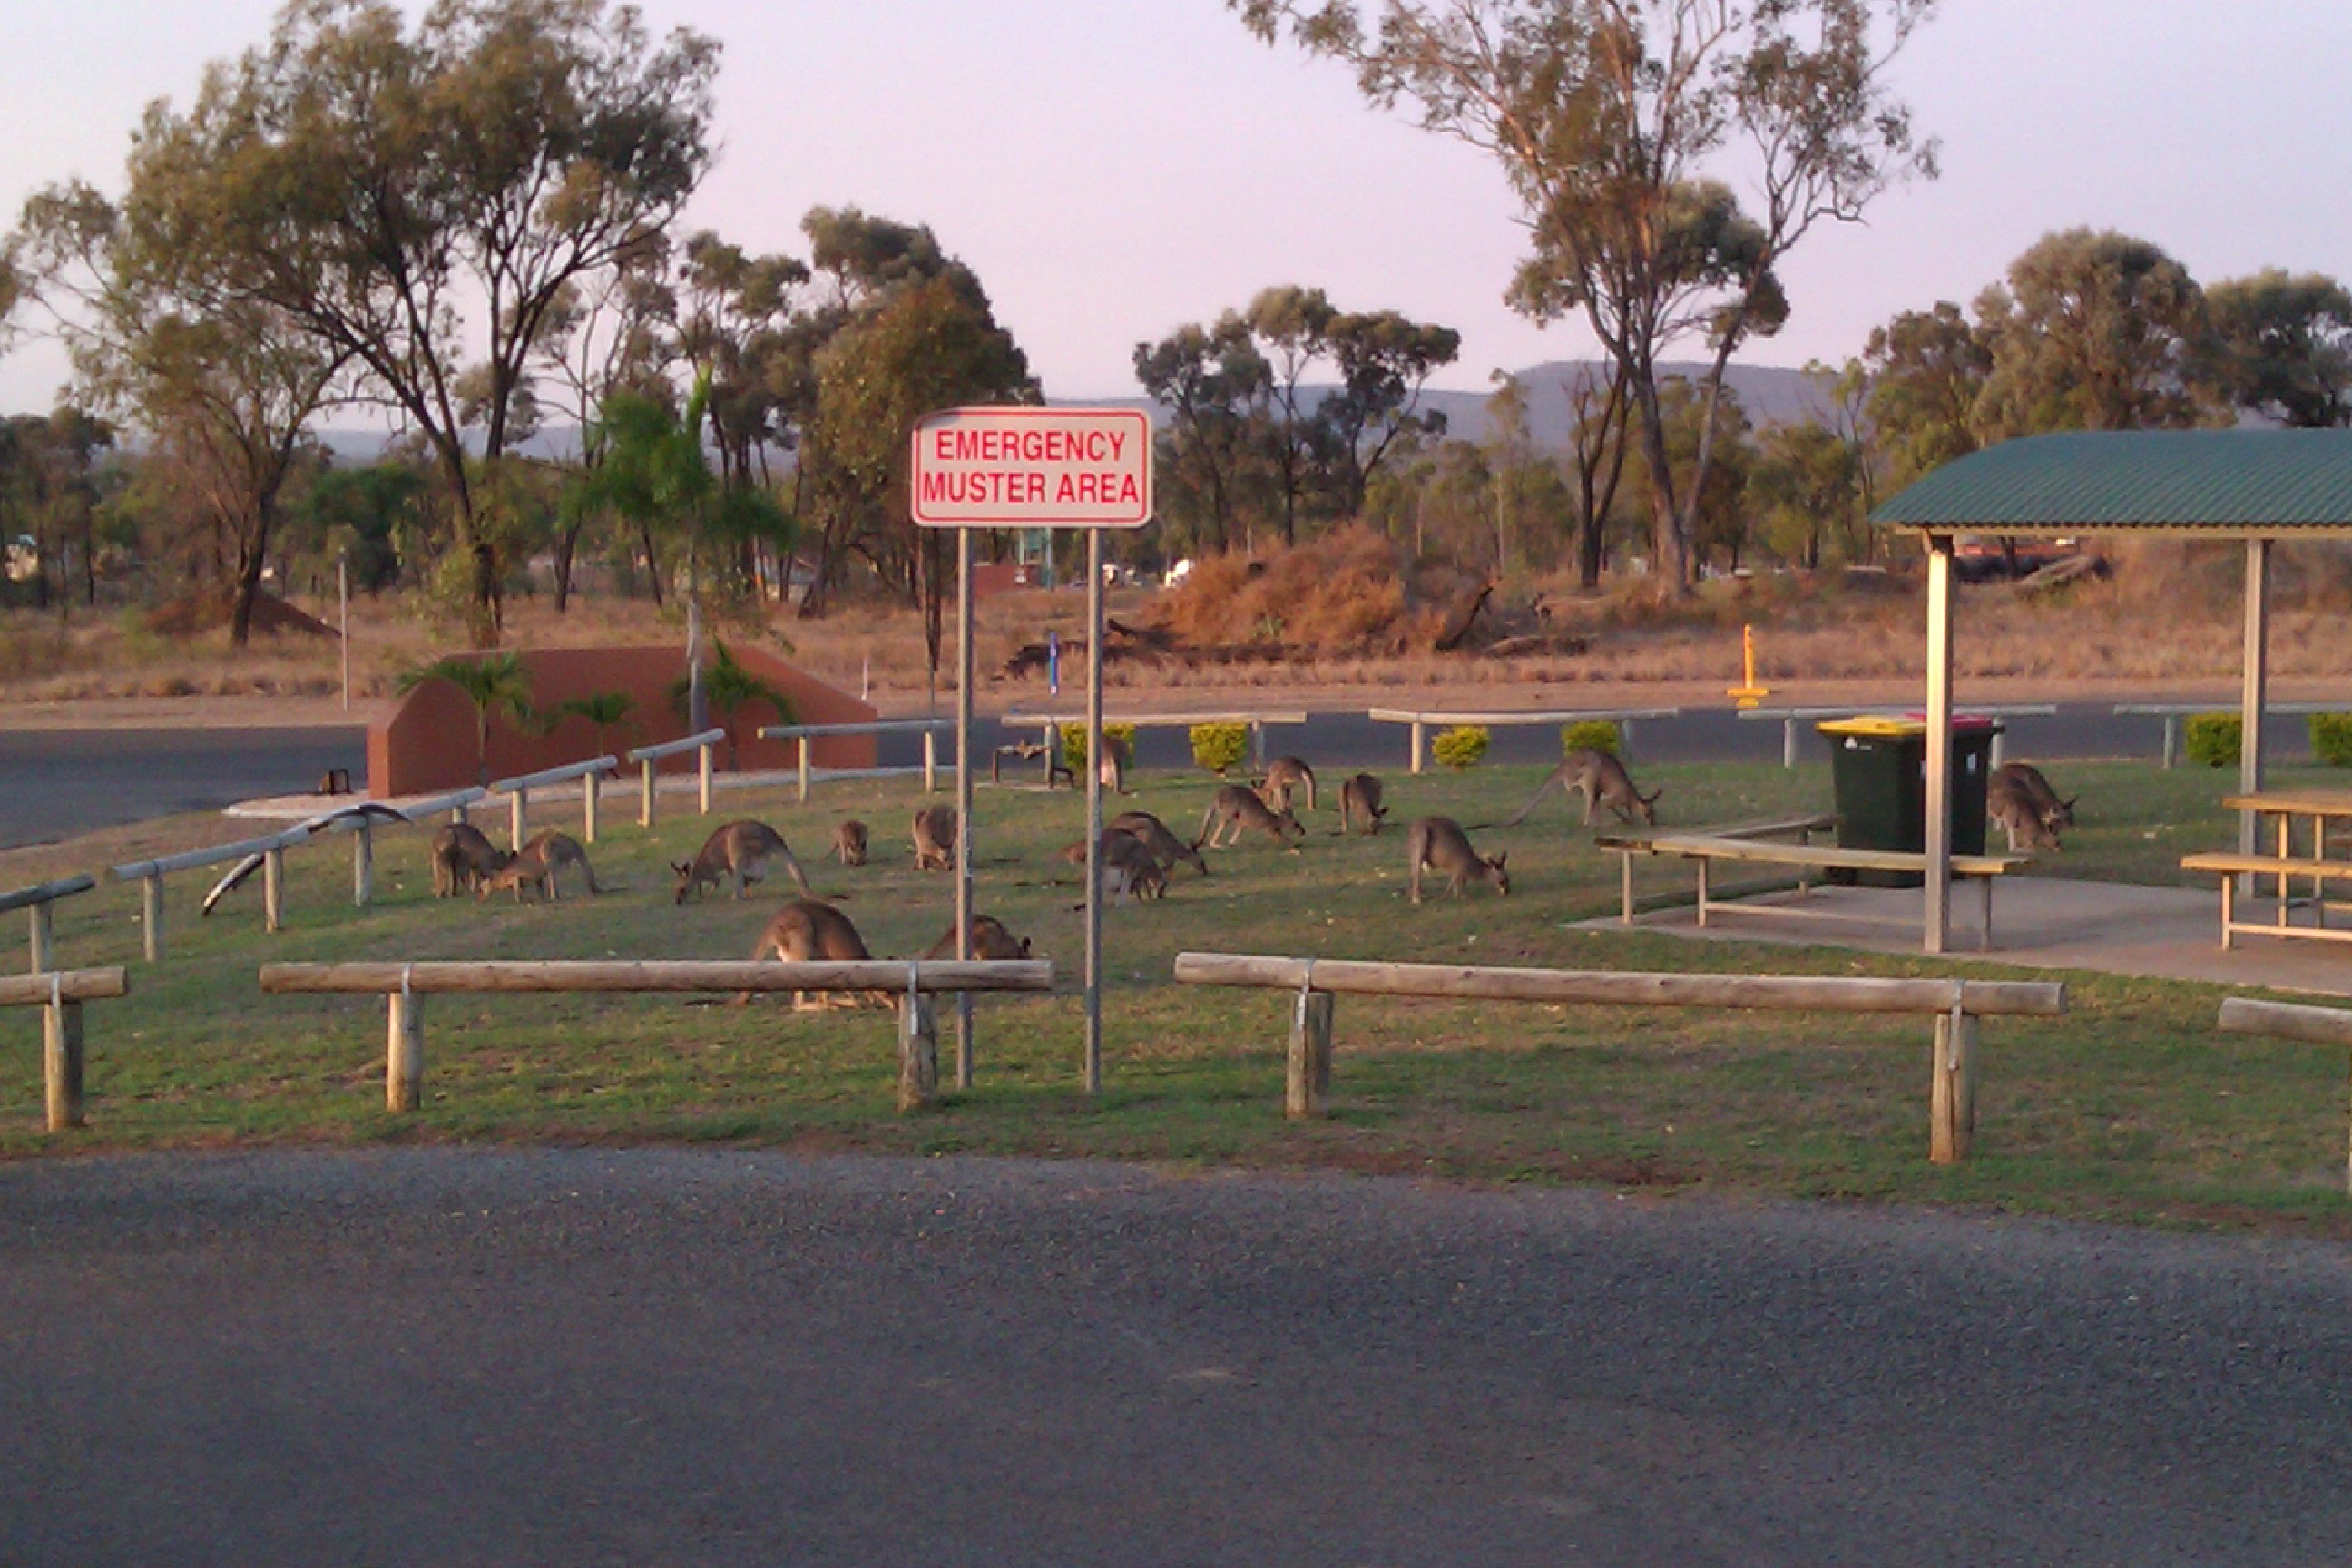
(1880,725)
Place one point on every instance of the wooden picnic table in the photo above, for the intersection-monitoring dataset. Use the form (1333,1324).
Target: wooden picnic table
(1764,843)
(2281,810)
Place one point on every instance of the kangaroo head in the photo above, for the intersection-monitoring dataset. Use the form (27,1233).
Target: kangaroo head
(1647,805)
(1495,865)
(686,877)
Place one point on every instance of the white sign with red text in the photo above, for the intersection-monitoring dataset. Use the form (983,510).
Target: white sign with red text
(1018,467)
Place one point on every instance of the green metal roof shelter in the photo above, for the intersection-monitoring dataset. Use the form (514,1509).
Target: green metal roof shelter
(2259,486)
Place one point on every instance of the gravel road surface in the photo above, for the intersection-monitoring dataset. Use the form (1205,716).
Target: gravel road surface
(592,1356)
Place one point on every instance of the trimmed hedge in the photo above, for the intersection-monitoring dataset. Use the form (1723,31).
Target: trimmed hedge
(1460,747)
(1220,748)
(2331,739)
(2214,739)
(1588,736)
(1074,742)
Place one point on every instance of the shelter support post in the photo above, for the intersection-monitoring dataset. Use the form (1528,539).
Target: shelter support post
(2254,694)
(1936,923)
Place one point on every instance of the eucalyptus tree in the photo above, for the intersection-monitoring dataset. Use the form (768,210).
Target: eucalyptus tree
(151,300)
(2093,331)
(918,348)
(423,200)
(2280,347)
(1384,359)
(1926,371)
(1293,324)
(1213,383)
(1606,116)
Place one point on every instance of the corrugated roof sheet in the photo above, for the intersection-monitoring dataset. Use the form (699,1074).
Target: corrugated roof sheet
(2162,481)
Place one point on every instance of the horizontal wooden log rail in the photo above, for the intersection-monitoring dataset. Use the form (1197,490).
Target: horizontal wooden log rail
(913,980)
(646,757)
(271,848)
(807,735)
(1954,1003)
(591,774)
(1791,717)
(59,995)
(2289,1021)
(39,899)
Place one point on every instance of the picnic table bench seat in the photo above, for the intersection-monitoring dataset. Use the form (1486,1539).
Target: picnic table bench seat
(2232,864)
(1754,843)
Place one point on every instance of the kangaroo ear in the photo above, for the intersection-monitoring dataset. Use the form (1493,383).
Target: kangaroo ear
(1650,798)
(1496,860)
(2069,802)
(1025,947)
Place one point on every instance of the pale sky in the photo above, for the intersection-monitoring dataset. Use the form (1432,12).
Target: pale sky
(1115,168)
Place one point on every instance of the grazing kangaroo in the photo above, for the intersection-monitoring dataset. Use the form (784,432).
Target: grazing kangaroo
(1602,781)
(935,838)
(737,852)
(1282,778)
(2007,805)
(463,859)
(2054,813)
(1439,844)
(990,940)
(806,929)
(1116,758)
(1165,847)
(1359,801)
(1235,807)
(1127,866)
(536,864)
(849,841)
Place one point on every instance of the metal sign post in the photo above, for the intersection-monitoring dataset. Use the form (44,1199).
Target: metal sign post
(1021,467)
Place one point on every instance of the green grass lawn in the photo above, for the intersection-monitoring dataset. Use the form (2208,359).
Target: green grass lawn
(2131,1107)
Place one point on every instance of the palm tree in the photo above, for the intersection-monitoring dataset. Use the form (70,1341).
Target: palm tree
(729,687)
(602,709)
(493,682)
(655,470)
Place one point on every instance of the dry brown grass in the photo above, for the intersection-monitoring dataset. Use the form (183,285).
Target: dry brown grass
(2168,620)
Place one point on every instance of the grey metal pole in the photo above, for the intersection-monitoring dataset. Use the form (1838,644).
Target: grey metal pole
(963,797)
(1094,810)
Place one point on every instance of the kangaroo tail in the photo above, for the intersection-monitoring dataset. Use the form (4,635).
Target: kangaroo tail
(792,867)
(1551,780)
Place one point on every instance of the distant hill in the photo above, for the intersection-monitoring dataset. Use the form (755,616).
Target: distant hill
(1771,394)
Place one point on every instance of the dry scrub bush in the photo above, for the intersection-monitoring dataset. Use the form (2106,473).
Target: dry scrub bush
(1345,593)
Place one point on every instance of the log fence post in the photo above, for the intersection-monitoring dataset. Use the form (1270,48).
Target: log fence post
(930,762)
(403,1065)
(61,1059)
(517,817)
(1306,1080)
(705,754)
(919,1048)
(588,782)
(364,864)
(1952,1095)
(42,939)
(806,743)
(273,888)
(645,798)
(151,909)
(1420,743)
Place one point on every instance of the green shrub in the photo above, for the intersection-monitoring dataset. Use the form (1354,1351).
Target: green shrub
(1461,747)
(1074,742)
(2214,739)
(2331,739)
(1588,736)
(1220,747)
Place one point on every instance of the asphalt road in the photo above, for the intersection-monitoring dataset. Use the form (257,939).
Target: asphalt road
(640,1357)
(56,783)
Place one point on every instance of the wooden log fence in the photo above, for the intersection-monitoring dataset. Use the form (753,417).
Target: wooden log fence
(518,792)
(1422,720)
(913,982)
(646,757)
(1258,721)
(2172,713)
(59,994)
(1955,1006)
(1791,718)
(808,734)
(2289,1021)
(39,900)
(150,874)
